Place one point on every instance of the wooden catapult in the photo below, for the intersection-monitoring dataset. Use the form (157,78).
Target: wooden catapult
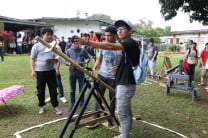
(105,115)
(165,65)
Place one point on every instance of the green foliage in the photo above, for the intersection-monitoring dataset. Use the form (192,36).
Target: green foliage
(197,10)
(101,17)
(149,32)
(143,28)
(173,47)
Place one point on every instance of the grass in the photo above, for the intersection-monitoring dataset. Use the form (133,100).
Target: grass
(176,112)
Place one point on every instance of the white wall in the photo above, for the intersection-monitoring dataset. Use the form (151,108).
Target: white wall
(68,28)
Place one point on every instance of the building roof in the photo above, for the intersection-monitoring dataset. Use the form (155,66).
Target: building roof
(202,31)
(71,19)
(15,25)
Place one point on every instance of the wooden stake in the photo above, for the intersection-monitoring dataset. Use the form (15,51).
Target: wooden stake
(73,63)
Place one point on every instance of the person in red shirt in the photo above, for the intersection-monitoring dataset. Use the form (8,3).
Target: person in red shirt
(91,50)
(204,62)
(93,37)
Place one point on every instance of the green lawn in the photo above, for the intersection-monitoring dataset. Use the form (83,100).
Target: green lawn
(176,112)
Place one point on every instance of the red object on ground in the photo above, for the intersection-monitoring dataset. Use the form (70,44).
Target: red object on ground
(185,67)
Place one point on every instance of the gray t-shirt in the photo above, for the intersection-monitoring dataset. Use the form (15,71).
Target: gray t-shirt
(151,50)
(40,56)
(110,58)
(78,55)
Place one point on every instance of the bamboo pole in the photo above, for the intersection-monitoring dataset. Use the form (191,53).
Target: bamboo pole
(73,63)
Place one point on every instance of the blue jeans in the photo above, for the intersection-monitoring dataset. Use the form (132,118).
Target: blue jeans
(59,85)
(124,93)
(19,49)
(72,80)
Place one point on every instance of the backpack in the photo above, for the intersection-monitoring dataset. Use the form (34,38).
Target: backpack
(140,69)
(185,67)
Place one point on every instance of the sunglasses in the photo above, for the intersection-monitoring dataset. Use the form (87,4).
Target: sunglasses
(75,41)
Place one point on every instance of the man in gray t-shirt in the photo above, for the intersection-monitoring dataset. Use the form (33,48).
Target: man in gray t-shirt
(108,61)
(42,68)
(152,52)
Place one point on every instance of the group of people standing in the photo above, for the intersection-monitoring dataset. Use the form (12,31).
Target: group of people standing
(113,67)
(194,58)
(114,70)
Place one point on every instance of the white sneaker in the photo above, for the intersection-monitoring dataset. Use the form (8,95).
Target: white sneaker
(119,136)
(41,110)
(63,99)
(47,100)
(57,111)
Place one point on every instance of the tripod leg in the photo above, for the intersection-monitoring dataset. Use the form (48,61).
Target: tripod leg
(101,96)
(86,85)
(81,113)
(108,107)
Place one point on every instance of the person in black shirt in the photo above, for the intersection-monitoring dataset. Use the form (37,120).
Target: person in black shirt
(125,83)
(62,44)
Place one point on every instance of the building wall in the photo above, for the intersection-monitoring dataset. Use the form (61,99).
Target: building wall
(200,38)
(68,28)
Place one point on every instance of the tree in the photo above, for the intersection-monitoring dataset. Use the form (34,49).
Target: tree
(144,28)
(102,17)
(197,9)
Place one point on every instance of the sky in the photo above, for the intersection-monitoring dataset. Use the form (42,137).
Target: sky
(132,10)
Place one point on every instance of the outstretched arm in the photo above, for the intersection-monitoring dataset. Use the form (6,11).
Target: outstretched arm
(102,45)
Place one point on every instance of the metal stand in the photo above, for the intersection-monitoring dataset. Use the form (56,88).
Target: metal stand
(174,76)
(82,115)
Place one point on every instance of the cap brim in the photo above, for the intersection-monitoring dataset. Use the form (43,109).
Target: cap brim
(120,23)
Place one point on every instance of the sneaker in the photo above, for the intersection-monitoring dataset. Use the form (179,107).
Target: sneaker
(47,100)
(119,136)
(63,99)
(57,111)
(93,126)
(202,84)
(41,110)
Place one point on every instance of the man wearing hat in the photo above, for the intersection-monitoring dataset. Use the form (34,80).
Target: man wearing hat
(125,83)
(152,52)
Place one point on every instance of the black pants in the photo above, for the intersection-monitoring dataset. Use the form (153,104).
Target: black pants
(2,53)
(49,78)
(110,82)
(191,72)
